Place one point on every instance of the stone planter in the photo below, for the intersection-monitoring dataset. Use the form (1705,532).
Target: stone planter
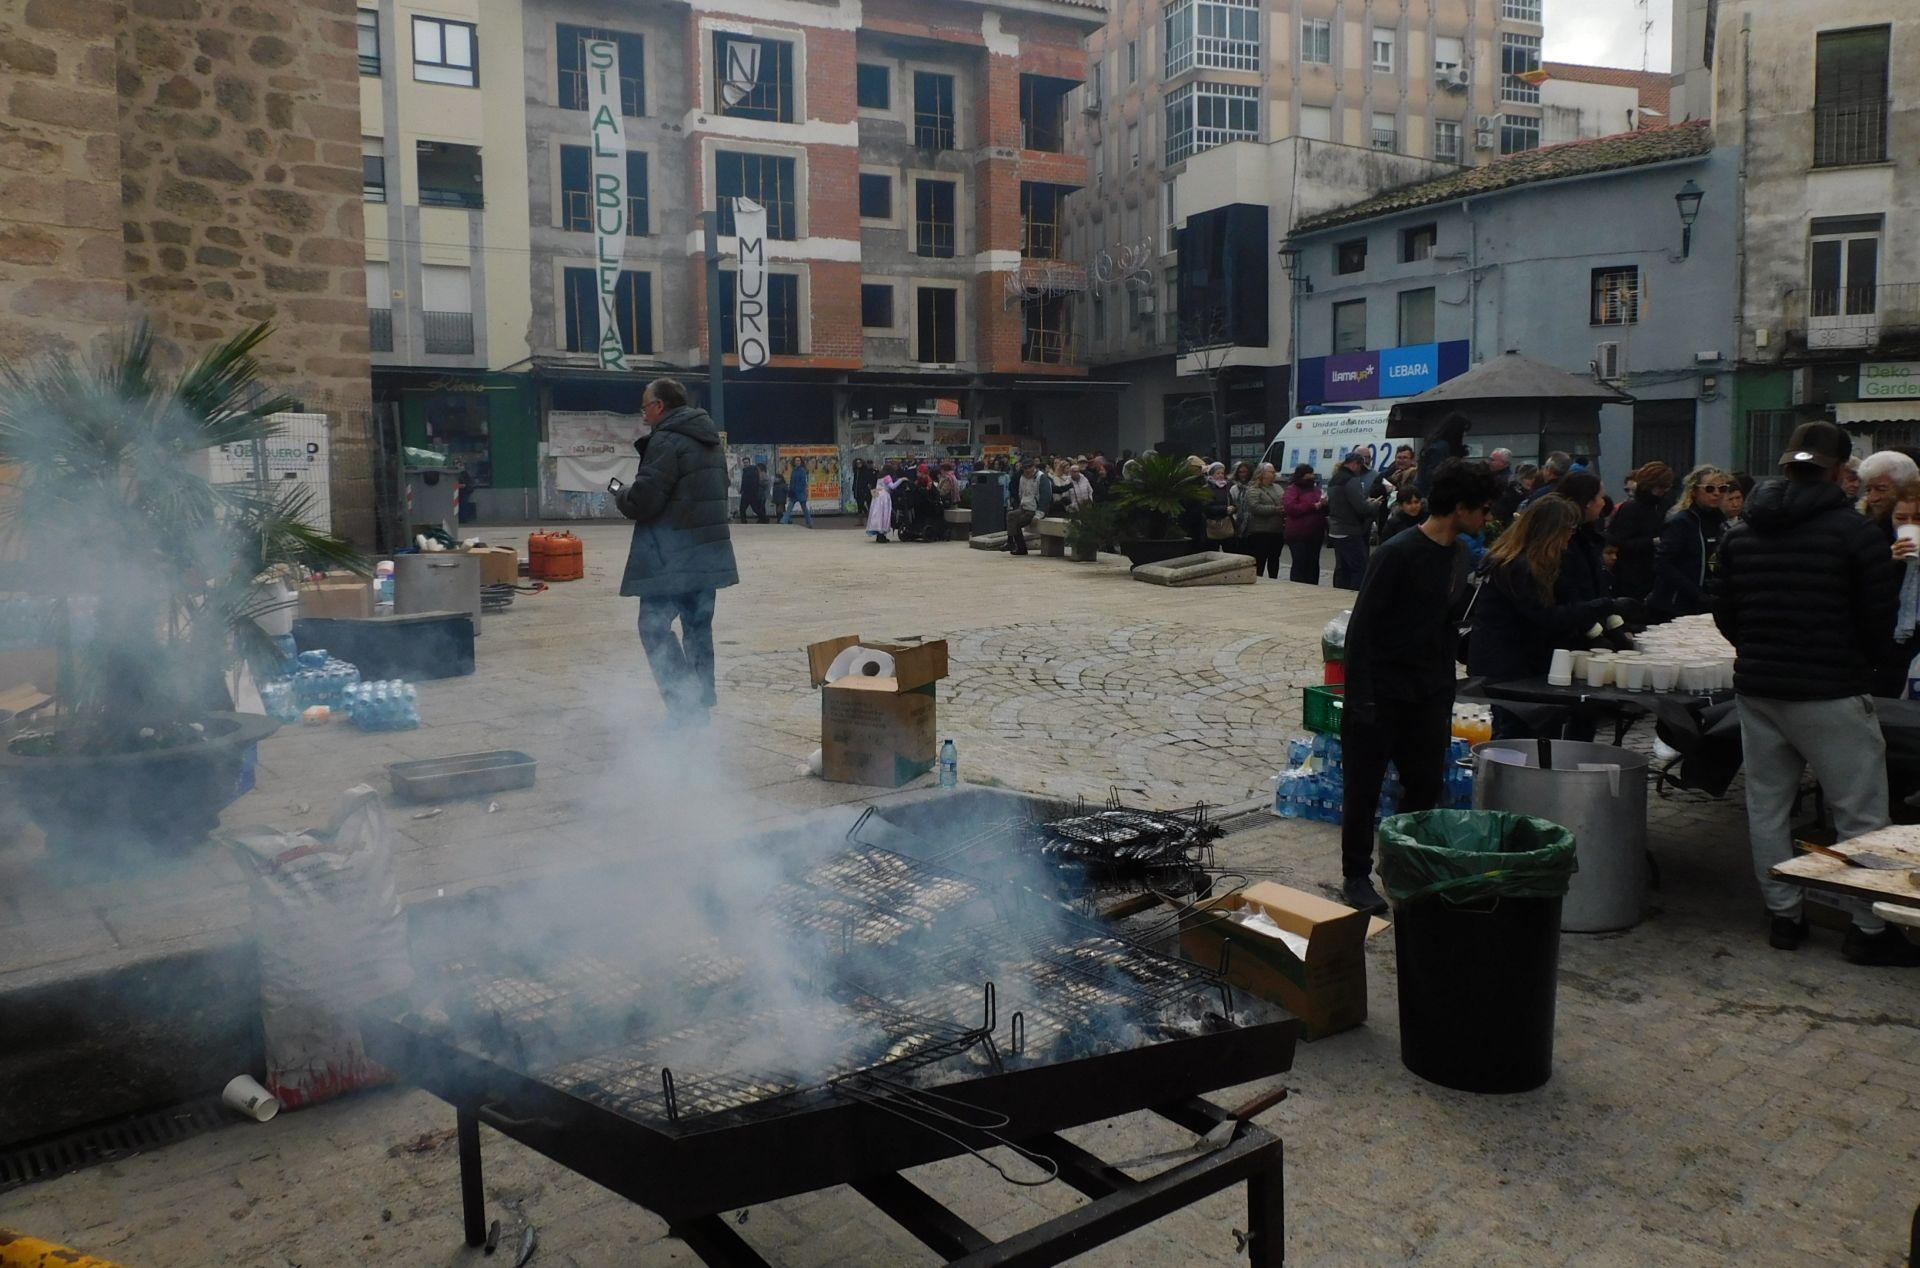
(125,806)
(1154,550)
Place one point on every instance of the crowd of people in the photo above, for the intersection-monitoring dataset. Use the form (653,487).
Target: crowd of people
(1813,577)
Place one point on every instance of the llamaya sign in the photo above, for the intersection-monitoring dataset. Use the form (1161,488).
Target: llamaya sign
(609,133)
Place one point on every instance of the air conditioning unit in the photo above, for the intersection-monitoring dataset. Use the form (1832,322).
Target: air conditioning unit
(1486,123)
(1483,139)
(1451,77)
(1092,103)
(1147,305)
(1609,363)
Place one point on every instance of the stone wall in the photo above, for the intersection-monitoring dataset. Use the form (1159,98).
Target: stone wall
(239,126)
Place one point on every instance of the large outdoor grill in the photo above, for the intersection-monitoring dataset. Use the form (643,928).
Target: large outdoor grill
(861,1013)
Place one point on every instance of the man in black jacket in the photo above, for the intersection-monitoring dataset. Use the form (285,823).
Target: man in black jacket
(753,492)
(681,553)
(1400,667)
(1807,596)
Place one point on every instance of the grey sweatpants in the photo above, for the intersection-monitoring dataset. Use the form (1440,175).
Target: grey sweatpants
(1841,740)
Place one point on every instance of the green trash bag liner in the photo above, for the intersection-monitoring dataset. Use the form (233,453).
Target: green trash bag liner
(1469,856)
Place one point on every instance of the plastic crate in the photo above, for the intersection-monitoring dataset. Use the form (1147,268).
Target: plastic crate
(1320,709)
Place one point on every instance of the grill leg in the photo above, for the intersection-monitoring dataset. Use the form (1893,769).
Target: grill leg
(1267,1216)
(473,1202)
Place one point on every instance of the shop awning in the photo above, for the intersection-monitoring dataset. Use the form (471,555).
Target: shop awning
(1849,413)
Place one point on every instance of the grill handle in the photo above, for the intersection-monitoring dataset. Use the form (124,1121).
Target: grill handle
(494,1117)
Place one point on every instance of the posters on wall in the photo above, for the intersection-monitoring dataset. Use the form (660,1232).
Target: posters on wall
(588,449)
(823,473)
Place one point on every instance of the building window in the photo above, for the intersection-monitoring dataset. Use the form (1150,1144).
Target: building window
(876,196)
(753,78)
(449,175)
(933,226)
(1040,220)
(1350,326)
(1417,243)
(446,309)
(1212,35)
(1316,123)
(1043,113)
(1520,10)
(1133,61)
(1203,115)
(1351,256)
(443,52)
(873,87)
(933,111)
(1449,52)
(1043,331)
(768,179)
(1850,97)
(576,191)
(783,314)
(876,306)
(1416,317)
(1843,267)
(938,334)
(1170,304)
(570,56)
(1316,40)
(1519,55)
(373,178)
(1615,296)
(1446,140)
(1519,132)
(1169,221)
(1133,144)
(1386,132)
(1663,431)
(367,23)
(1099,318)
(632,306)
(1383,48)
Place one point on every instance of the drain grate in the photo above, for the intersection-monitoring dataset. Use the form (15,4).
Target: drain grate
(104,1142)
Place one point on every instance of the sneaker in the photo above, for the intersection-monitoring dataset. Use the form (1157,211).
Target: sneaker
(1358,893)
(1786,933)
(1888,947)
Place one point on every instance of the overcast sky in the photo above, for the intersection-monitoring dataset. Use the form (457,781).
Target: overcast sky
(1607,32)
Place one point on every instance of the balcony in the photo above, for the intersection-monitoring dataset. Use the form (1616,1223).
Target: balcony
(1869,317)
(380,329)
(1385,139)
(1850,133)
(449,334)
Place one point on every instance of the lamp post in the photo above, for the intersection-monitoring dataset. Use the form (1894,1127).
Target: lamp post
(716,360)
(1688,201)
(1290,265)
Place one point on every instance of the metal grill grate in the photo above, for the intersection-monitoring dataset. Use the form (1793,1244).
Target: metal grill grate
(105,1142)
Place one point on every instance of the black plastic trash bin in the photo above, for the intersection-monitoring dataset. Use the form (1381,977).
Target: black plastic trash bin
(989,504)
(1476,933)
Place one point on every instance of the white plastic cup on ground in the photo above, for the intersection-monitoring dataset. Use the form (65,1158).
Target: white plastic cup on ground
(1560,673)
(244,1095)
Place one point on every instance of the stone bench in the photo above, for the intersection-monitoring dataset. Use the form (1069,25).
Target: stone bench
(959,515)
(1208,568)
(1053,536)
(988,541)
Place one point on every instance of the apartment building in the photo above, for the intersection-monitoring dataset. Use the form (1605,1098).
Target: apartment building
(1822,97)
(911,157)
(1579,102)
(1439,81)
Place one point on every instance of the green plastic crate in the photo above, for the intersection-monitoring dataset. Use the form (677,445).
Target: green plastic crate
(1320,709)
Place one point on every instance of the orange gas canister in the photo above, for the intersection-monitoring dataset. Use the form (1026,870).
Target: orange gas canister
(555,557)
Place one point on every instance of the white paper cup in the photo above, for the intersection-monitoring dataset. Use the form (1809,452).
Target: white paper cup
(244,1096)
(1633,675)
(1908,533)
(1661,675)
(1580,661)
(1599,671)
(1560,673)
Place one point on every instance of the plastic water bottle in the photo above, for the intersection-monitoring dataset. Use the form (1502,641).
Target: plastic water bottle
(949,765)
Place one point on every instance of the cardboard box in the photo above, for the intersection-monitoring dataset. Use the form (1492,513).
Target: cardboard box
(336,597)
(1326,990)
(879,731)
(499,565)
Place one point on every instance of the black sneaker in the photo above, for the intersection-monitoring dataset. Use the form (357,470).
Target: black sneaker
(1786,933)
(1888,947)
(1358,893)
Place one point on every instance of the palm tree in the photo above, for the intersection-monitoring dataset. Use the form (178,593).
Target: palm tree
(153,567)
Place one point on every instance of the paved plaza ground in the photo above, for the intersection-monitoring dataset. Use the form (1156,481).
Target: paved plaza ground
(1713,1101)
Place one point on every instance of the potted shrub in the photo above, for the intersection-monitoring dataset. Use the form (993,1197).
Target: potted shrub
(154,572)
(1091,528)
(1153,494)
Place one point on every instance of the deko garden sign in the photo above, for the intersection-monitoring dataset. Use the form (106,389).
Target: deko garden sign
(609,133)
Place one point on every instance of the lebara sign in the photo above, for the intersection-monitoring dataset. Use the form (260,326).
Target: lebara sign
(1366,376)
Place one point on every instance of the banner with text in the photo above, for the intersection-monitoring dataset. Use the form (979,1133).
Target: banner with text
(589,448)
(609,134)
(750,283)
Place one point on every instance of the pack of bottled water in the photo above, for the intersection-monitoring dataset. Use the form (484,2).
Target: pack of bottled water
(1314,784)
(323,683)
(277,696)
(391,705)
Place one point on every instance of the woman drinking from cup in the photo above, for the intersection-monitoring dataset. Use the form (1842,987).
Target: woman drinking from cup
(1896,667)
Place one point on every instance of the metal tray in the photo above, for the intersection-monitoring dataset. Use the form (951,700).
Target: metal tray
(463,775)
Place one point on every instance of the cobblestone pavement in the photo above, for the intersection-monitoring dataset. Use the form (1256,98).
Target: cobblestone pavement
(1713,1101)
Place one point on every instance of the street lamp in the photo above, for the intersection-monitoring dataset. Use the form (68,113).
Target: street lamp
(1688,201)
(1290,265)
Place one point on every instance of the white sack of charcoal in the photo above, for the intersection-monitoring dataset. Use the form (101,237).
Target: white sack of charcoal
(331,938)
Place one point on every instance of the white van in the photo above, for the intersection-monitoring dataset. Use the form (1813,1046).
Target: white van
(1322,440)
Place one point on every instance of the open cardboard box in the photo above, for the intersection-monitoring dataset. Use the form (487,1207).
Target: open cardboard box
(878,731)
(499,565)
(343,596)
(1326,989)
